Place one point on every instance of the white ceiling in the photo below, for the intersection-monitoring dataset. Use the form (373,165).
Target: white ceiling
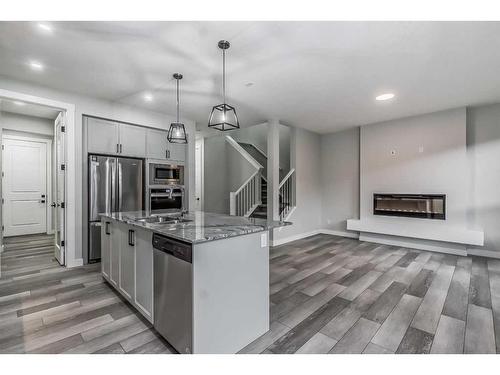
(321,76)
(28,109)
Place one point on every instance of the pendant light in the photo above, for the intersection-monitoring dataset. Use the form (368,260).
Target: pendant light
(177,132)
(223,116)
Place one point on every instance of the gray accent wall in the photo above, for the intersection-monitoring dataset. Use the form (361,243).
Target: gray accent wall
(483,146)
(416,155)
(339,178)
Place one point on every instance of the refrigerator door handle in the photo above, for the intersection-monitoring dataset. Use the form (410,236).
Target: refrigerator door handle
(113,184)
(120,182)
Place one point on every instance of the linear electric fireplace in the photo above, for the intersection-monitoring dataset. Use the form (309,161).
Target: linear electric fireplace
(424,206)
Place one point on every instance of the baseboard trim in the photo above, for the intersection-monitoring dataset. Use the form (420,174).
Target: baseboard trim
(75,263)
(295,237)
(484,253)
(340,233)
(312,233)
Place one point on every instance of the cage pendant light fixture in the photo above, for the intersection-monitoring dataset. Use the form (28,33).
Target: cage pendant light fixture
(223,116)
(177,131)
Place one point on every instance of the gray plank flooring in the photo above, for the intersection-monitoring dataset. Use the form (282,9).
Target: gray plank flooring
(395,300)
(329,294)
(45,308)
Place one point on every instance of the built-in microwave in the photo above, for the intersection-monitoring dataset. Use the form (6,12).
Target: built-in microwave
(166,174)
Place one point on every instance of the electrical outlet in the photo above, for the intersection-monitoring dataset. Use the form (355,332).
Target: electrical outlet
(393,152)
(421,149)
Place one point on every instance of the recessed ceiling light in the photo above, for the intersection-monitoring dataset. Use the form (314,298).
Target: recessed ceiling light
(148,97)
(36,65)
(45,27)
(385,96)
(17,102)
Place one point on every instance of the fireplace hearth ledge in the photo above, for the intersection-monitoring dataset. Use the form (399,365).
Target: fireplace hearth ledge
(424,231)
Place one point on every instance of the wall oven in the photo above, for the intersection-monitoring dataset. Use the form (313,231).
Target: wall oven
(168,198)
(166,174)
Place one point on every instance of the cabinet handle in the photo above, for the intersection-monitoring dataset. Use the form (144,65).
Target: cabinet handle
(131,237)
(106,229)
(117,148)
(120,148)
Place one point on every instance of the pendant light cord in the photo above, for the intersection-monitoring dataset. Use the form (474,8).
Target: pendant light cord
(177,100)
(224,76)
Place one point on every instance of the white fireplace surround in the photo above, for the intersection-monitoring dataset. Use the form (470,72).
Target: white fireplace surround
(426,231)
(417,155)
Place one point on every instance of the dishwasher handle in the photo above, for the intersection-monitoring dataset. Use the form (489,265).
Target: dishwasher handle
(176,249)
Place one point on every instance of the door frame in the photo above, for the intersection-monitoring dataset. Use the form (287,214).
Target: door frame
(71,185)
(201,143)
(31,137)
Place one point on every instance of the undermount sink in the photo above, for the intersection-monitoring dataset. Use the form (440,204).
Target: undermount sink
(162,220)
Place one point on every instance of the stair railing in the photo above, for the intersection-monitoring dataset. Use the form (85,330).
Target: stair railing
(247,198)
(287,194)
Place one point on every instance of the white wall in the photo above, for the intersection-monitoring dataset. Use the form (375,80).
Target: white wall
(24,123)
(306,159)
(85,105)
(339,178)
(430,158)
(483,146)
(215,182)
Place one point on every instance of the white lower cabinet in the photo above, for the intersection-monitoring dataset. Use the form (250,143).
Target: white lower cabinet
(144,272)
(114,253)
(105,248)
(127,263)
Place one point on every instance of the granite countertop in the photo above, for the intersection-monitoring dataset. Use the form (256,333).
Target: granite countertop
(201,226)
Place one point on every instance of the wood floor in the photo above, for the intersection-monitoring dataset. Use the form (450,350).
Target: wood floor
(45,308)
(338,295)
(328,295)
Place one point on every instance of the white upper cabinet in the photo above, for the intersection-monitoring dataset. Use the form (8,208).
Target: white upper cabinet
(115,138)
(159,148)
(132,140)
(176,151)
(156,144)
(102,136)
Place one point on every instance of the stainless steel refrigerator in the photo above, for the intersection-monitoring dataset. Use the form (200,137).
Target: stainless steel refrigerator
(115,185)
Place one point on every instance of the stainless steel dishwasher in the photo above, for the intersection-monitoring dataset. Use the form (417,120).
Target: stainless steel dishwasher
(173,292)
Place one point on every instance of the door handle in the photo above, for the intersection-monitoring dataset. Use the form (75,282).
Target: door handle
(53,204)
(106,228)
(42,201)
(117,148)
(43,195)
(131,239)
(120,148)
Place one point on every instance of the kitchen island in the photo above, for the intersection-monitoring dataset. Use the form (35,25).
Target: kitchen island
(201,278)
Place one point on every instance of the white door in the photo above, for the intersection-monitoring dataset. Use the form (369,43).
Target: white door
(59,184)
(198,174)
(24,186)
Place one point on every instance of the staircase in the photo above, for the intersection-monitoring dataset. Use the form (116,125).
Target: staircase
(261,210)
(251,198)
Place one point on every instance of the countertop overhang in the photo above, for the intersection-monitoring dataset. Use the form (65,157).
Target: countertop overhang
(201,226)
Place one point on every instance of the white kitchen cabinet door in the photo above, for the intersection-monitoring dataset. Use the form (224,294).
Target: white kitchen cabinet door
(156,144)
(177,151)
(132,140)
(102,136)
(114,249)
(127,262)
(144,273)
(105,247)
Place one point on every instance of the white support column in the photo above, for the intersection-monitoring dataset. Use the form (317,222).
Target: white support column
(273,175)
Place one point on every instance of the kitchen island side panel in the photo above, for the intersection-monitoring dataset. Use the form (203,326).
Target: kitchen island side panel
(230,293)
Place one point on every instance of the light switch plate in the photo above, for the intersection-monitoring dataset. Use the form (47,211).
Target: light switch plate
(263,240)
